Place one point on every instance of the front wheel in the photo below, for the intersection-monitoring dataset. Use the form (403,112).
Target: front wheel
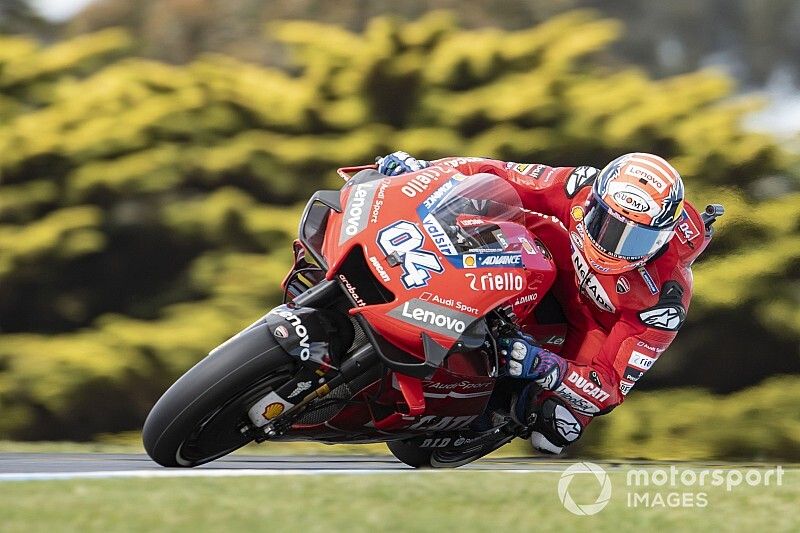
(198,419)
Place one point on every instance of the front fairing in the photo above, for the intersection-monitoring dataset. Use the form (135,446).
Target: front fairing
(419,236)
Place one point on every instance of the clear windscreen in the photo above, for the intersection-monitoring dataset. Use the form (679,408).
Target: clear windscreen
(470,211)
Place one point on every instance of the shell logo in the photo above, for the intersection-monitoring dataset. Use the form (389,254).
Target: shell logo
(470,261)
(577,213)
(273,410)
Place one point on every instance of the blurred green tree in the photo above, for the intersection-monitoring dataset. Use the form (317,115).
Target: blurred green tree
(146,209)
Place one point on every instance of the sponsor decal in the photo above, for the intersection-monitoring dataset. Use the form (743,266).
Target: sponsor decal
(590,285)
(597,266)
(404,240)
(527,246)
(632,199)
(653,349)
(432,317)
(640,360)
(381,197)
(472,222)
(666,317)
(379,268)
(595,377)
(441,442)
(437,195)
(528,169)
(522,168)
(463,385)
(438,236)
(577,242)
(528,298)
(500,238)
(500,260)
(651,285)
(623,285)
(556,340)
(645,176)
(470,261)
(442,423)
(420,183)
(352,291)
(300,331)
(581,383)
(267,408)
(581,404)
(507,281)
(633,374)
(625,387)
(449,302)
(282,332)
(273,410)
(577,213)
(302,386)
(686,230)
(357,210)
(578,179)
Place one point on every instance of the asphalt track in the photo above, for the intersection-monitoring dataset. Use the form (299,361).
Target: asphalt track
(31,466)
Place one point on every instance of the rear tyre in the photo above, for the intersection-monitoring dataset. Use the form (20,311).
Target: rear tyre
(483,446)
(409,452)
(198,419)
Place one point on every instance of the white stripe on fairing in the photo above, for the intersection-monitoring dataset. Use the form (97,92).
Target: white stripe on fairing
(40,476)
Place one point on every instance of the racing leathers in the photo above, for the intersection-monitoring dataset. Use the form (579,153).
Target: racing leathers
(606,331)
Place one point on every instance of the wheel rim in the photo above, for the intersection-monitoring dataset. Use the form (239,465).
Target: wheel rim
(217,434)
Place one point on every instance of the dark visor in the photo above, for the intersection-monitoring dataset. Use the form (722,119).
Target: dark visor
(622,238)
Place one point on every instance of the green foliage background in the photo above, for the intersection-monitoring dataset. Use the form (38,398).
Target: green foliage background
(146,209)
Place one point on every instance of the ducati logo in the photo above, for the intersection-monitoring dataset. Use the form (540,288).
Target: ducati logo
(622,285)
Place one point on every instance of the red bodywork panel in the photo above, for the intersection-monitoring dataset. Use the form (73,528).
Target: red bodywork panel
(438,291)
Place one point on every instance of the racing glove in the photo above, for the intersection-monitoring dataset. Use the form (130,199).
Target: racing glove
(398,163)
(526,360)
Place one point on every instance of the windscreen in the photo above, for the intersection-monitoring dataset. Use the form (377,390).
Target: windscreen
(468,213)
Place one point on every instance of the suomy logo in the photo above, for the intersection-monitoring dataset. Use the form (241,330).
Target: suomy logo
(632,201)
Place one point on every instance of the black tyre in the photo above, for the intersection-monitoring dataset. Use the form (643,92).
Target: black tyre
(448,458)
(198,419)
(409,452)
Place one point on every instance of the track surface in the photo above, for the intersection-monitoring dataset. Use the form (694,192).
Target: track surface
(22,466)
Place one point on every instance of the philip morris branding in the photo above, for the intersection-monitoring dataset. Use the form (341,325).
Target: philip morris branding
(432,317)
(357,211)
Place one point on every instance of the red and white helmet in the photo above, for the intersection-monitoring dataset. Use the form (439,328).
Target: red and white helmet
(635,204)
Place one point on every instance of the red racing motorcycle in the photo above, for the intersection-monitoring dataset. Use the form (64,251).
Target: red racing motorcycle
(399,290)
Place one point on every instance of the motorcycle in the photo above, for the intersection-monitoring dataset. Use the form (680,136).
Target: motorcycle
(400,288)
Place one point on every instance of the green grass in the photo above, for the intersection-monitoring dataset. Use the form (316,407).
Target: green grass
(460,501)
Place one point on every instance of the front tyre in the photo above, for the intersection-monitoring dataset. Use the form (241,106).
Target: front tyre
(198,419)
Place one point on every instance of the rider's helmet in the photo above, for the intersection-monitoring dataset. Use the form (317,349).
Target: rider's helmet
(635,204)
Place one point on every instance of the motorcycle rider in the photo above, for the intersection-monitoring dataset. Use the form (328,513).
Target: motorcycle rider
(623,240)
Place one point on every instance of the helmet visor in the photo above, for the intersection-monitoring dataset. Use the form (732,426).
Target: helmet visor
(621,238)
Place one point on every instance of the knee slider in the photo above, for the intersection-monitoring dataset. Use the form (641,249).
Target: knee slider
(557,423)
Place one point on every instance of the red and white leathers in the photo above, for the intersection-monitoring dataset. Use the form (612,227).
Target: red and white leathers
(617,325)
